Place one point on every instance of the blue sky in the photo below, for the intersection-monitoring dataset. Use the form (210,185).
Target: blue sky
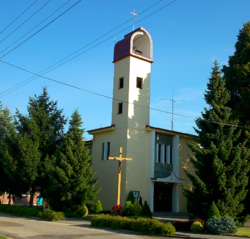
(188,36)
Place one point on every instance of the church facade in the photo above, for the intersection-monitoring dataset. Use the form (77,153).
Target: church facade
(159,156)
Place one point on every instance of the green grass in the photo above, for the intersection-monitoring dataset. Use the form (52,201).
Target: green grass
(3,237)
(243,231)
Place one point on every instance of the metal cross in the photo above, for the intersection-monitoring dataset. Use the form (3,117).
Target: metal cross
(134,14)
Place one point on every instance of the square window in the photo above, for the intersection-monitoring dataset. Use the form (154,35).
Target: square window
(139,83)
(121,83)
(119,108)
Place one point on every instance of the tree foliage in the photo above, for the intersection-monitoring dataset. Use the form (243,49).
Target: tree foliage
(71,178)
(220,162)
(237,75)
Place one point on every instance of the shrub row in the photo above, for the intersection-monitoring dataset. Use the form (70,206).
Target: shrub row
(32,212)
(21,210)
(51,215)
(142,225)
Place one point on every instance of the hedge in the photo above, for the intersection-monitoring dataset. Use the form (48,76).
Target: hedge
(21,210)
(32,212)
(186,225)
(142,225)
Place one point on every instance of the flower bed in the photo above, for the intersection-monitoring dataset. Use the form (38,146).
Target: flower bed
(142,225)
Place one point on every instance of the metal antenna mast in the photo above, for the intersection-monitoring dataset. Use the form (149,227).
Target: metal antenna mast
(134,14)
(173,100)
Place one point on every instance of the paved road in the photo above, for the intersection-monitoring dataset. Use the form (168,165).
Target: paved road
(19,228)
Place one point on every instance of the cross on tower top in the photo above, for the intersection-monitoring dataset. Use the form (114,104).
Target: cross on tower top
(134,14)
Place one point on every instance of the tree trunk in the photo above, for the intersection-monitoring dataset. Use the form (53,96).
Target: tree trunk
(9,198)
(32,192)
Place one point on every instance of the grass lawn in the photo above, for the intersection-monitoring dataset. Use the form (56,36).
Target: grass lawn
(243,231)
(3,237)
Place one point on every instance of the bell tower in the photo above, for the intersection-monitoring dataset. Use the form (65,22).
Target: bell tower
(133,57)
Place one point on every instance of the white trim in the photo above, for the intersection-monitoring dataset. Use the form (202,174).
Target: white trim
(162,153)
(168,154)
(157,160)
(151,165)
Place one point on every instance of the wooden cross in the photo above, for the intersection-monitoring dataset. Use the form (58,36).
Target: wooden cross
(120,159)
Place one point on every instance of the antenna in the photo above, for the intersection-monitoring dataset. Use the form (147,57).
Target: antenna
(173,100)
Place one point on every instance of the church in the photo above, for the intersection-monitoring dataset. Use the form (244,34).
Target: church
(159,156)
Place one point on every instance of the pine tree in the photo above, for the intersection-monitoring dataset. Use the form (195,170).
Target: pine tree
(220,162)
(237,75)
(71,179)
(45,124)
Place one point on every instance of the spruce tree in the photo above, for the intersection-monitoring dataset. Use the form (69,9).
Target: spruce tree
(219,161)
(71,178)
(45,124)
(237,75)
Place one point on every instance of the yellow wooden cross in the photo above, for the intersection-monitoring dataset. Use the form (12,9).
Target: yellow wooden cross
(120,159)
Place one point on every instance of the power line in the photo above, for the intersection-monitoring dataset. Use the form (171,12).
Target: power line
(41,29)
(109,97)
(34,27)
(25,21)
(18,17)
(28,80)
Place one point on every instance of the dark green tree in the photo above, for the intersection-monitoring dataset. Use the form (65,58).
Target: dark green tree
(45,124)
(71,178)
(5,124)
(219,161)
(237,75)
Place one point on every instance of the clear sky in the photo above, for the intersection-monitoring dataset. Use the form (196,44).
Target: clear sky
(188,36)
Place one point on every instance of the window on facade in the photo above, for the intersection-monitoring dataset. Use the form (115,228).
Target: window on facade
(105,150)
(119,108)
(165,154)
(139,83)
(121,83)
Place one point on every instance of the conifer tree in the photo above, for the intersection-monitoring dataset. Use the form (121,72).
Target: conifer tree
(220,162)
(71,179)
(237,75)
(45,125)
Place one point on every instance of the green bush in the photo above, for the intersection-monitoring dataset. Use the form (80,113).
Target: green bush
(145,212)
(131,197)
(72,215)
(83,211)
(221,226)
(98,207)
(213,211)
(197,227)
(128,209)
(105,212)
(51,215)
(21,210)
(142,225)
(240,221)
(137,209)
(191,216)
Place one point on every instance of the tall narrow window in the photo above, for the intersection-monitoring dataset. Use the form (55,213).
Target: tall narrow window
(165,154)
(139,83)
(105,150)
(157,159)
(159,154)
(119,108)
(171,154)
(121,83)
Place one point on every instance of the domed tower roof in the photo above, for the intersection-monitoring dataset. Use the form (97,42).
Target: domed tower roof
(137,43)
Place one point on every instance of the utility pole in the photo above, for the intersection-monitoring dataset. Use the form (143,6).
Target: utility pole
(173,100)
(134,14)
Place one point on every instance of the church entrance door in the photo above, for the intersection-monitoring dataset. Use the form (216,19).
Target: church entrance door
(163,197)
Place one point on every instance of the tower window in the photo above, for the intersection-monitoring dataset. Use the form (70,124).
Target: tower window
(119,108)
(139,83)
(105,150)
(121,83)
